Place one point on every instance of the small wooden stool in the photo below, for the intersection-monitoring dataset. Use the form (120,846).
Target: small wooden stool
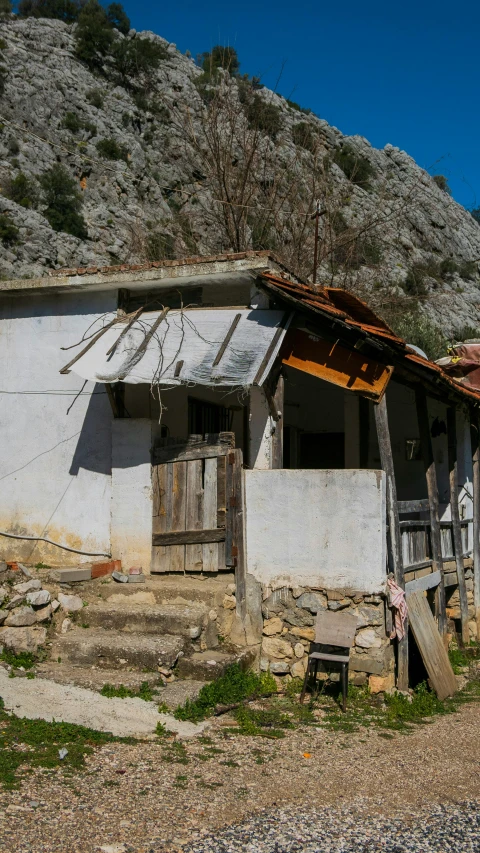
(335,630)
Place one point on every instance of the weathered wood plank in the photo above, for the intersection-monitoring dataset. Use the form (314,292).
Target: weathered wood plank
(210,550)
(427,582)
(221,486)
(395,542)
(160,558)
(277,438)
(229,509)
(432,489)
(189,537)
(455,512)
(179,494)
(475,432)
(413,506)
(238,548)
(194,514)
(186,452)
(430,645)
(92,341)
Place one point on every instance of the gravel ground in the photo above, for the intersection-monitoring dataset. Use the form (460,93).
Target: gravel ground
(342,788)
(443,829)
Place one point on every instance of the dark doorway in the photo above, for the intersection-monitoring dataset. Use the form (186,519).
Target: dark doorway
(206,418)
(322,450)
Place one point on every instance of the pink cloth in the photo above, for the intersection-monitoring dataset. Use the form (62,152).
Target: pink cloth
(399,605)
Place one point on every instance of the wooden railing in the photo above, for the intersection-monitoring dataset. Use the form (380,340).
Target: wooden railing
(416,536)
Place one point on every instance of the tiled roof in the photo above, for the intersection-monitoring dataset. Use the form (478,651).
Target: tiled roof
(166,264)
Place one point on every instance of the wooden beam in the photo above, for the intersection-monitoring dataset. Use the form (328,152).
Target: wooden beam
(92,341)
(413,506)
(475,432)
(432,489)
(127,328)
(227,340)
(395,542)
(148,337)
(427,582)
(277,437)
(457,530)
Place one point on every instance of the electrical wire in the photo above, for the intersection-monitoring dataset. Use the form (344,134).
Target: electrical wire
(57,544)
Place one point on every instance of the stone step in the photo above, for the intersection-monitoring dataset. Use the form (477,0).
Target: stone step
(189,621)
(168,589)
(117,649)
(206,666)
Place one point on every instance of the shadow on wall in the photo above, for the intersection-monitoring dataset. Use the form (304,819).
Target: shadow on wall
(94,446)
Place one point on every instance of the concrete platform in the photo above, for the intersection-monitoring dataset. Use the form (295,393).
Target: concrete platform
(177,619)
(174,589)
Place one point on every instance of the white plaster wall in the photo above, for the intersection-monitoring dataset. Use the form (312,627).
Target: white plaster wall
(261,425)
(54,464)
(317,528)
(132,492)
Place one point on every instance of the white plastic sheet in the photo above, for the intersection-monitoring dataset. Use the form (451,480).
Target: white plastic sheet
(193,337)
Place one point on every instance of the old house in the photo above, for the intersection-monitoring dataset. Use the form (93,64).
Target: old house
(215,417)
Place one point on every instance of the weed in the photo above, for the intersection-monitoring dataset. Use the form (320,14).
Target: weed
(355,166)
(42,566)
(163,708)
(25,660)
(160,730)
(121,692)
(230,763)
(175,753)
(266,723)
(35,743)
(111,150)
(234,686)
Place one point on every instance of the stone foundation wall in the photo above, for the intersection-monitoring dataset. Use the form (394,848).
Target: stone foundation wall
(452,596)
(288,628)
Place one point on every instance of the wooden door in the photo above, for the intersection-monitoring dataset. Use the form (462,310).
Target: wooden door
(189,504)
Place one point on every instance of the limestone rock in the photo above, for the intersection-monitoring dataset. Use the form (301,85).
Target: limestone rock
(366,638)
(21,617)
(38,598)
(312,601)
(299,650)
(304,633)
(67,625)
(55,605)
(3,594)
(377,684)
(3,616)
(27,586)
(23,639)
(272,626)
(71,603)
(15,601)
(229,602)
(278,667)
(369,615)
(340,604)
(274,647)
(277,602)
(44,613)
(298,669)
(298,618)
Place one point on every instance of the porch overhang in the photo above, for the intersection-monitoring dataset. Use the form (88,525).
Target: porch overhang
(229,347)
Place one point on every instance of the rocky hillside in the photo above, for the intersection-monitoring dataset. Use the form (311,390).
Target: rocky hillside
(165,159)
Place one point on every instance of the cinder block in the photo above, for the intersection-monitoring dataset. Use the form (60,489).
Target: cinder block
(71,575)
(99,570)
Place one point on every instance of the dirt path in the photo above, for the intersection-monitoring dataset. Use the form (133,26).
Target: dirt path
(156,797)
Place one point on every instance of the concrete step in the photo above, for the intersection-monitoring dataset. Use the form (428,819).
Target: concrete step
(184,620)
(117,649)
(170,589)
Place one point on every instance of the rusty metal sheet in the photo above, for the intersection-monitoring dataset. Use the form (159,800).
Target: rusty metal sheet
(335,363)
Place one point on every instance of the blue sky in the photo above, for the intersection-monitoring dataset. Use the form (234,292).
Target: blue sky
(404,73)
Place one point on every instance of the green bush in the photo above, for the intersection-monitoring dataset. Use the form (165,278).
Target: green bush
(64,10)
(137,56)
(111,150)
(415,282)
(264,116)
(63,202)
(160,247)
(234,686)
(94,37)
(220,57)
(357,252)
(304,136)
(118,18)
(355,166)
(294,106)
(442,183)
(8,230)
(95,98)
(5,8)
(72,122)
(415,328)
(23,191)
(475,212)
(468,270)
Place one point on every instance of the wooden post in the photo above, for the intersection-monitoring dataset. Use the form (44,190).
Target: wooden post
(457,531)
(395,542)
(476,515)
(432,490)
(277,438)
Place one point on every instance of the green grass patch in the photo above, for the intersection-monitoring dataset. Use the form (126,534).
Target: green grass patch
(121,692)
(235,685)
(22,660)
(460,658)
(28,744)
(270,723)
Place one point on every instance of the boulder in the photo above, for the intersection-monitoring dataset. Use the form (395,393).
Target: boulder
(272,626)
(27,586)
(43,613)
(70,603)
(23,639)
(21,617)
(38,598)
(312,601)
(366,638)
(297,669)
(275,647)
